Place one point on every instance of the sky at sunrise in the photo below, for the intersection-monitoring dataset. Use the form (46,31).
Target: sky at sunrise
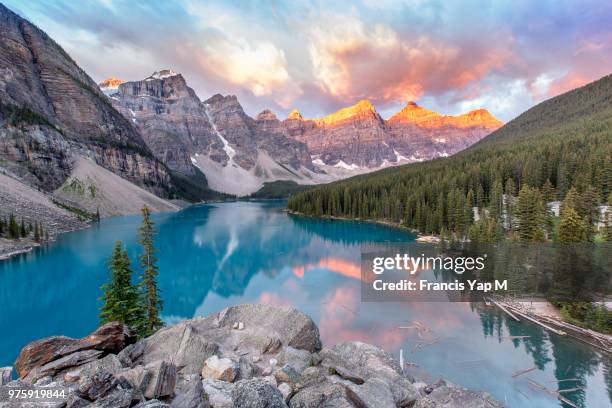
(318,56)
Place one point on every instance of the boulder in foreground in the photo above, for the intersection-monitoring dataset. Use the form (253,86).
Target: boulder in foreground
(249,356)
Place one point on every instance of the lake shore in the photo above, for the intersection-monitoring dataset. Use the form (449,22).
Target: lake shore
(10,247)
(419,237)
(250,355)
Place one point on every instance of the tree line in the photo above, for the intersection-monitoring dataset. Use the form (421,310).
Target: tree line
(12,229)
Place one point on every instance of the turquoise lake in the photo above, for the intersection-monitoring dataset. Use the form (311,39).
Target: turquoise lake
(216,255)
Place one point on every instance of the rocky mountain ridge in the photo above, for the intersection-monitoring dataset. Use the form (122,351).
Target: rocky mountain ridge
(238,153)
(52,112)
(235,152)
(358,136)
(249,356)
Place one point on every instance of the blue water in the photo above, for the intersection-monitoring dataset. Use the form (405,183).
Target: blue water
(212,256)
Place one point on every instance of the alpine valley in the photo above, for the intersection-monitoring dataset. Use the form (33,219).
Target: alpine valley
(72,150)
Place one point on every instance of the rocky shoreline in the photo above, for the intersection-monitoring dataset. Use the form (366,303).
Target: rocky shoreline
(257,356)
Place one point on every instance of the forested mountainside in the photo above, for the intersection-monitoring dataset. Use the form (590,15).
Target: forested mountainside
(561,145)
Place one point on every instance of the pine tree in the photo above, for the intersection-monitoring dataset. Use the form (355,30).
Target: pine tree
(571,228)
(572,200)
(530,215)
(548,191)
(150,298)
(22,229)
(1,226)
(13,227)
(36,231)
(121,297)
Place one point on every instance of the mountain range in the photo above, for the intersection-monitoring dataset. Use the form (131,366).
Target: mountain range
(238,153)
(79,143)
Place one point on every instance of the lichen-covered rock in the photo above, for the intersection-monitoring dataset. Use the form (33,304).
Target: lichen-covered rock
(219,393)
(257,393)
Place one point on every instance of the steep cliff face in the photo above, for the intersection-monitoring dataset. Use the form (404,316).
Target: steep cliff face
(170,117)
(358,137)
(50,108)
(351,136)
(236,153)
(424,134)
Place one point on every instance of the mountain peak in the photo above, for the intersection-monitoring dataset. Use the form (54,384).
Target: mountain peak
(413,113)
(111,82)
(479,117)
(266,114)
(417,115)
(361,110)
(295,114)
(162,74)
(110,86)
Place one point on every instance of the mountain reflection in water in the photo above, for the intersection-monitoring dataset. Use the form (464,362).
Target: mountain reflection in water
(217,255)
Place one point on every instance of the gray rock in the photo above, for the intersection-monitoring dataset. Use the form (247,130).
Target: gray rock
(163,380)
(152,404)
(219,393)
(109,362)
(189,393)
(359,361)
(292,327)
(138,376)
(74,401)
(286,390)
(287,374)
(257,393)
(6,374)
(374,393)
(116,398)
(322,394)
(64,363)
(223,369)
(298,359)
(131,353)
(346,374)
(247,369)
(447,395)
(96,384)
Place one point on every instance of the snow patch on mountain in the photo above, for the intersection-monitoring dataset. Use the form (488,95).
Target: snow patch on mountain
(162,74)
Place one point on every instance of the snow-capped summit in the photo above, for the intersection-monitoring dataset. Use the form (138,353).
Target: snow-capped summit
(110,86)
(162,74)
